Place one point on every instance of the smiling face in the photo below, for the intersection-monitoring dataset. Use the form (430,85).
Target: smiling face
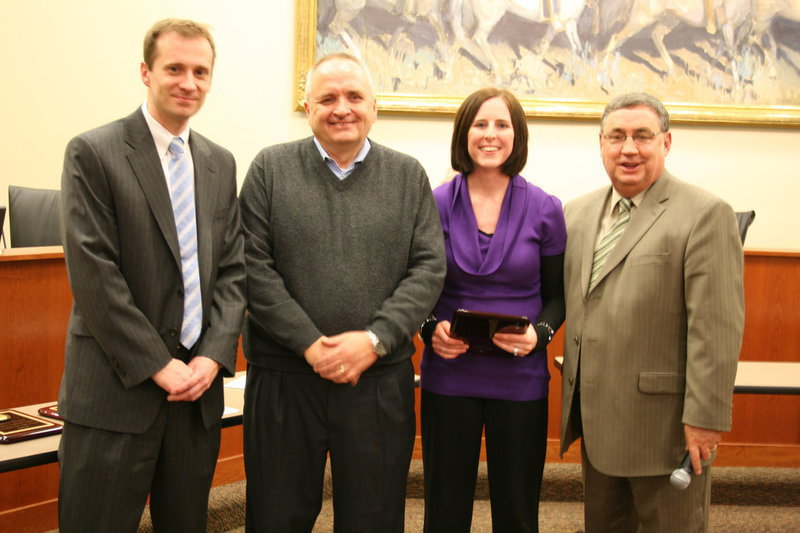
(179,79)
(491,135)
(341,107)
(633,166)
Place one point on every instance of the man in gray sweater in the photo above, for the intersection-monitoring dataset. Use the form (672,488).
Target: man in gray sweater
(345,258)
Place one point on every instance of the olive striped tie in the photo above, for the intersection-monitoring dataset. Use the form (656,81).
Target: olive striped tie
(609,240)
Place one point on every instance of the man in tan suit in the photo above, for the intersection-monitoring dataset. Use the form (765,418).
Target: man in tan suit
(655,314)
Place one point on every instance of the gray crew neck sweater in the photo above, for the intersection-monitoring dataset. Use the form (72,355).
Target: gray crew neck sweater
(326,256)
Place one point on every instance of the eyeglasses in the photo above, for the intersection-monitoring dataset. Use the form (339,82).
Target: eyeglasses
(640,138)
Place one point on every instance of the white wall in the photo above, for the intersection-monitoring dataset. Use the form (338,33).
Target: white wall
(71,65)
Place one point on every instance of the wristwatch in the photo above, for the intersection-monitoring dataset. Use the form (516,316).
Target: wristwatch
(377,345)
(426,329)
(548,328)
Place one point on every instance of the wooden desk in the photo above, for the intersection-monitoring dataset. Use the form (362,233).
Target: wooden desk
(767,377)
(34,313)
(44,450)
(758,377)
(32,452)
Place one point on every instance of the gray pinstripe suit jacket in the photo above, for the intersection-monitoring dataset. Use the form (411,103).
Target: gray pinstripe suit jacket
(658,338)
(123,261)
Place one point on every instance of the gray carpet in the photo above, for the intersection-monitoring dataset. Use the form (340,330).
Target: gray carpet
(744,500)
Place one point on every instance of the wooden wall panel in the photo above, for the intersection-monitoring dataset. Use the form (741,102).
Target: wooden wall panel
(771,333)
(34,311)
(772,307)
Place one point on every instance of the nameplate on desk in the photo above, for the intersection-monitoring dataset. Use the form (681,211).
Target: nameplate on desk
(16,426)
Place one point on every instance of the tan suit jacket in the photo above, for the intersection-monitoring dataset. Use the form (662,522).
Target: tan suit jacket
(658,338)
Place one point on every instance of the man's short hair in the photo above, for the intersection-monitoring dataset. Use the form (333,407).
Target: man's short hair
(460,159)
(636,99)
(343,56)
(184,28)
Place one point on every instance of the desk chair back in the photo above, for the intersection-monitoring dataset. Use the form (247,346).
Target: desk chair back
(2,225)
(744,218)
(34,216)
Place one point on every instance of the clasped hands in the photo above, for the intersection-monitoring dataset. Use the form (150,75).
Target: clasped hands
(341,358)
(447,347)
(186,382)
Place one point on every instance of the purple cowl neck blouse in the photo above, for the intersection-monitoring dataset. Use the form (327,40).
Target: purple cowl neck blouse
(503,277)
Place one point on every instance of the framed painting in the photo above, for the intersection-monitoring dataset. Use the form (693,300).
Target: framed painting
(710,61)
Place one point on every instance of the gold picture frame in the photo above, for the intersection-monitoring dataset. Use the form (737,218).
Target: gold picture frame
(563,105)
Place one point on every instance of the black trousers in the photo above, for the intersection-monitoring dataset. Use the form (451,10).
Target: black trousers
(106,476)
(293,421)
(516,443)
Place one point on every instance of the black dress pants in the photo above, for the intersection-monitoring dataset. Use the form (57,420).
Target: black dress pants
(106,476)
(516,443)
(293,421)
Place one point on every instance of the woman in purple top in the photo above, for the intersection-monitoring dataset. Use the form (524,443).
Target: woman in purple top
(505,240)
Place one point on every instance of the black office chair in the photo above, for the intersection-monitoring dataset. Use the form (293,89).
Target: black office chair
(744,218)
(3,225)
(34,216)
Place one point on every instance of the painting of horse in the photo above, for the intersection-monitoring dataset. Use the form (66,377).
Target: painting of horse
(722,61)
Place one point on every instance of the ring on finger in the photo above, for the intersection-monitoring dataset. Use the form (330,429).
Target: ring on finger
(341,369)
(516,351)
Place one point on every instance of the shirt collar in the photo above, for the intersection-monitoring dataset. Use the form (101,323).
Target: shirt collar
(342,173)
(636,201)
(161,136)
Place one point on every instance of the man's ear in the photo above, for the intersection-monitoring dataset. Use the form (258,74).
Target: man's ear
(145,71)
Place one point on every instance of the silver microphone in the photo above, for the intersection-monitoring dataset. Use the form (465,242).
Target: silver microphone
(682,476)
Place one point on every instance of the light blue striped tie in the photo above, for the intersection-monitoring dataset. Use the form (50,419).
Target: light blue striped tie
(181,180)
(609,240)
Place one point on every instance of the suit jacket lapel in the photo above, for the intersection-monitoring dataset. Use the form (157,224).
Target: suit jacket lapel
(653,205)
(205,192)
(146,166)
(595,210)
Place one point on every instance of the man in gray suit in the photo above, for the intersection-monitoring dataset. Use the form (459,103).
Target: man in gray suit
(655,313)
(154,253)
